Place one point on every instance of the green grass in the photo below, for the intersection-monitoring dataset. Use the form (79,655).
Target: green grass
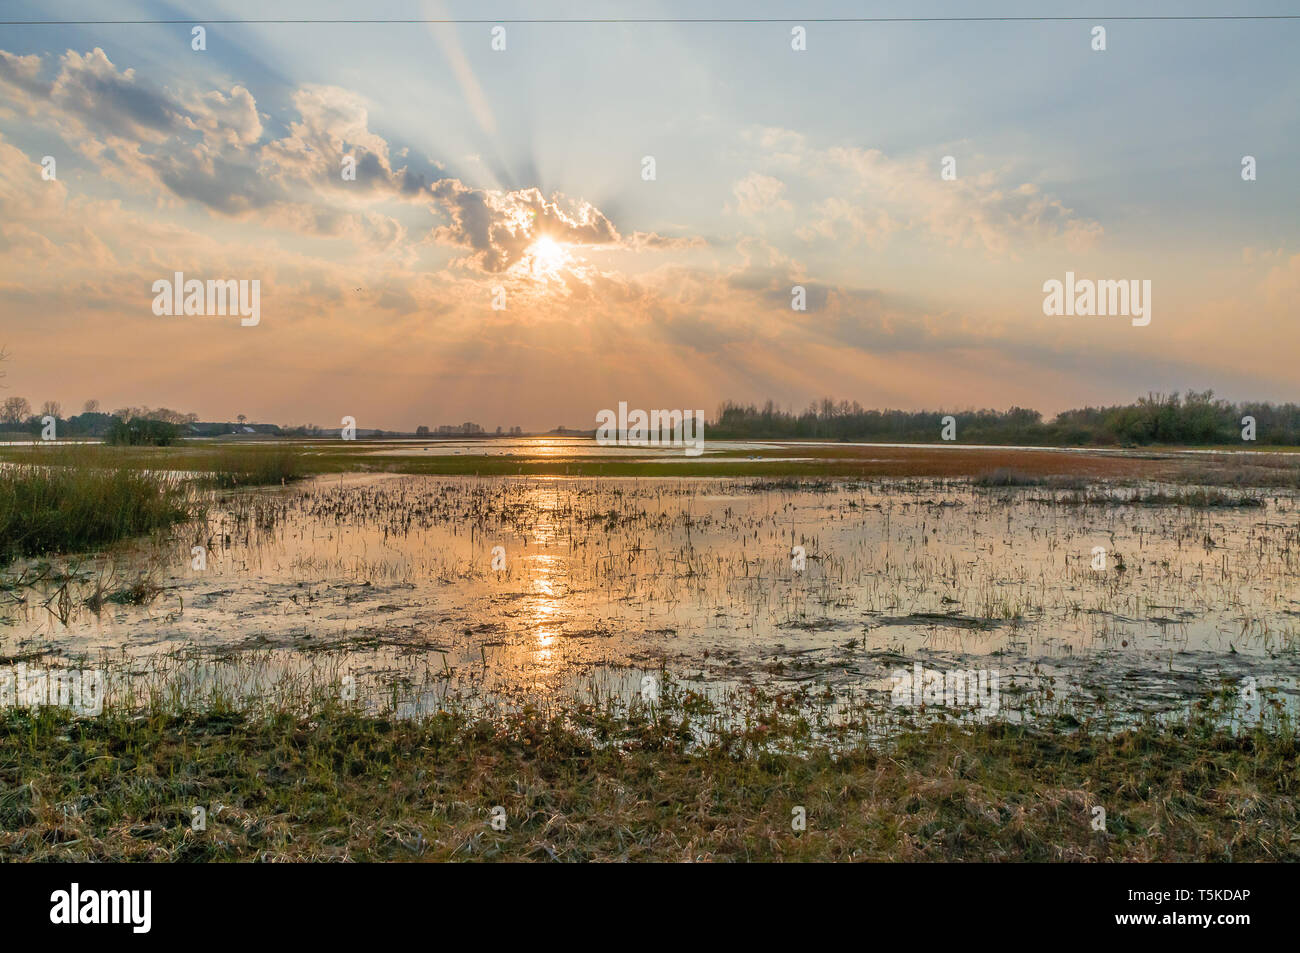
(72,508)
(588,784)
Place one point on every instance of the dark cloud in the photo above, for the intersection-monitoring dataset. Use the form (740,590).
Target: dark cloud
(91,88)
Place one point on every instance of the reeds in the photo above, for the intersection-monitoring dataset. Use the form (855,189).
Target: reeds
(236,467)
(61,508)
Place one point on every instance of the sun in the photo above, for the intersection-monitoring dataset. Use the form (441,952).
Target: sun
(549,256)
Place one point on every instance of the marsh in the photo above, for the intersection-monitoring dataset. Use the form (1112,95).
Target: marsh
(388,579)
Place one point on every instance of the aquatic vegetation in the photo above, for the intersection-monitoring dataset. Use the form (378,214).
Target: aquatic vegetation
(234,467)
(61,508)
(730,581)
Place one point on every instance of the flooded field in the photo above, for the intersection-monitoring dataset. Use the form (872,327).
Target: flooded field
(416,588)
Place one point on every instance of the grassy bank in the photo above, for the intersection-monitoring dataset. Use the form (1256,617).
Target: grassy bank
(589,785)
(73,508)
(252,464)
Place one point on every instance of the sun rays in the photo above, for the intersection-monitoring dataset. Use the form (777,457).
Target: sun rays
(548,258)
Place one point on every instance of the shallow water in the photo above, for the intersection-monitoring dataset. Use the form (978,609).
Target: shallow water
(608,581)
(546,447)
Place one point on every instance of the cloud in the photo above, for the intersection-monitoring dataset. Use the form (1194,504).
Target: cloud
(757,194)
(970,212)
(228,120)
(20,80)
(497,227)
(210,148)
(334,123)
(639,241)
(842,220)
(91,88)
(1281,286)
(856,195)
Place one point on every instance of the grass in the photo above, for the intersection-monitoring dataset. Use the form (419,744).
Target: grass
(1003,477)
(593,784)
(141,592)
(263,463)
(77,499)
(1200,498)
(72,508)
(256,466)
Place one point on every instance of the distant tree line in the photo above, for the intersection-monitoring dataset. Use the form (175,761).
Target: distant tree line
(131,426)
(1194,418)
(158,426)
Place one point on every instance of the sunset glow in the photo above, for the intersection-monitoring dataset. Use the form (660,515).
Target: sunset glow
(677,186)
(548,257)
(559,431)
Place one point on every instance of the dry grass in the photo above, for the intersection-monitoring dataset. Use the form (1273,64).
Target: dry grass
(589,784)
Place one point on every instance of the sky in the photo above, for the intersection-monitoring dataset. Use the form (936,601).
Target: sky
(501,256)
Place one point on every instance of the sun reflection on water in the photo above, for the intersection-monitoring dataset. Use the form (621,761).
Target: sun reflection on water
(545,605)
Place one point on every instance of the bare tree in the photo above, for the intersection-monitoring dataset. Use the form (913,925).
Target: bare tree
(15,410)
(165,414)
(90,407)
(241,418)
(52,408)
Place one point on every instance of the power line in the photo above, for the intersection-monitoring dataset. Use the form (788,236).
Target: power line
(651,20)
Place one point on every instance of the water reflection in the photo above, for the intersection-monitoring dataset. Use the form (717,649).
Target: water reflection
(697,575)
